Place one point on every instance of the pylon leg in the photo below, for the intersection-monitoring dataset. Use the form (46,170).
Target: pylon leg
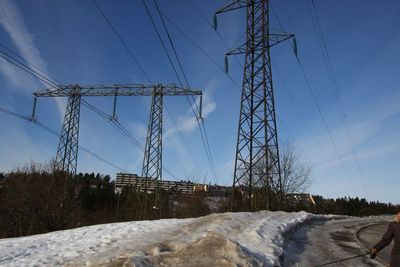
(152,163)
(67,152)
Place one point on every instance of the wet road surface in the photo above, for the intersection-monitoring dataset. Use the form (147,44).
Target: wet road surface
(370,235)
(328,241)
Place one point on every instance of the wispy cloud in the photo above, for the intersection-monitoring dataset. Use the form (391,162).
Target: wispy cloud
(188,122)
(13,23)
(139,130)
(374,140)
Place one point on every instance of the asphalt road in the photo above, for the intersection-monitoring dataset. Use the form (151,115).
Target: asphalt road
(329,241)
(370,235)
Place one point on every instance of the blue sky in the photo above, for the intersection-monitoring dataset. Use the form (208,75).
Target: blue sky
(72,42)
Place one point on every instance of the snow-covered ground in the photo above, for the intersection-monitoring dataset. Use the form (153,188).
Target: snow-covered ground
(254,239)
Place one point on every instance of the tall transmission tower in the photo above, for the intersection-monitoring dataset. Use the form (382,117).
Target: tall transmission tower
(257,173)
(67,152)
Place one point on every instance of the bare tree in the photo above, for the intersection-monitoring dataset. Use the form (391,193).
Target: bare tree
(41,196)
(295,172)
(268,192)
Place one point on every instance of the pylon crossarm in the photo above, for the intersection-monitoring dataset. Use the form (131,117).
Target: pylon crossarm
(274,39)
(116,90)
(236,5)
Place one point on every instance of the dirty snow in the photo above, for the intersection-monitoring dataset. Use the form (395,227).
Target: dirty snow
(215,240)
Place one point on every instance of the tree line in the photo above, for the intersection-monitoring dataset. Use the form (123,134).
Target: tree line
(352,206)
(345,206)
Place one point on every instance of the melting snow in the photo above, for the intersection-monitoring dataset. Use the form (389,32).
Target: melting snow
(217,239)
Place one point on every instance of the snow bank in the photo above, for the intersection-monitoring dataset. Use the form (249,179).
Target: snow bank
(218,239)
(86,243)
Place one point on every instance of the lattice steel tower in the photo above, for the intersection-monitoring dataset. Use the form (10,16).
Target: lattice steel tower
(67,152)
(257,169)
(152,162)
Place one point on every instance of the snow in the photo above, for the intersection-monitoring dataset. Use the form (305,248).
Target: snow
(240,238)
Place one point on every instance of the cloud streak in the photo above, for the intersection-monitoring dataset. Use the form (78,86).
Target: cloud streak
(373,137)
(13,23)
(188,122)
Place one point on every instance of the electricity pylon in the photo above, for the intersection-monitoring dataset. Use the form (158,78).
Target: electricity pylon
(257,170)
(67,153)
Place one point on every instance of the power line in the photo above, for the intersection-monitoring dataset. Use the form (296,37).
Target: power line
(52,83)
(48,129)
(325,123)
(227,46)
(172,45)
(80,146)
(46,74)
(26,68)
(121,40)
(300,113)
(302,151)
(203,136)
(49,82)
(187,82)
(237,87)
(206,20)
(122,129)
(183,140)
(9,112)
(201,14)
(162,42)
(204,53)
(113,122)
(315,100)
(334,83)
(138,64)
(195,44)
